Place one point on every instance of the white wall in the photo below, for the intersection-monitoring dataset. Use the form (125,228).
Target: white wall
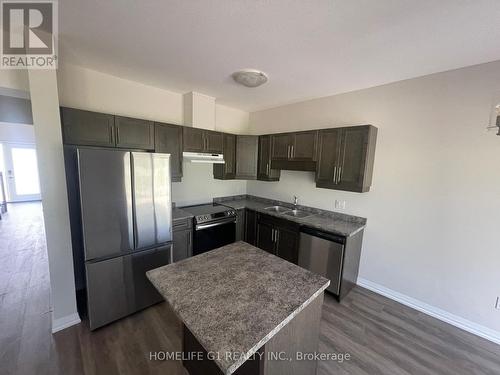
(87,89)
(17,133)
(231,120)
(434,207)
(199,186)
(45,107)
(14,79)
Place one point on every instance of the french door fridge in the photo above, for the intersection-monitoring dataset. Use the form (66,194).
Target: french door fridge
(126,215)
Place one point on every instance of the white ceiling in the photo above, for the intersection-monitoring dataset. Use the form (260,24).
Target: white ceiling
(309,48)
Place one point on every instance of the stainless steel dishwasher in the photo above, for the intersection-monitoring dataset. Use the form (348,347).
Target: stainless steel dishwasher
(322,253)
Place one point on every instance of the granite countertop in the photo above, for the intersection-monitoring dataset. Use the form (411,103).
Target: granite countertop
(328,221)
(240,298)
(179,214)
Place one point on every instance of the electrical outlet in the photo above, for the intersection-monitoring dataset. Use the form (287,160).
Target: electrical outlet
(497,303)
(340,205)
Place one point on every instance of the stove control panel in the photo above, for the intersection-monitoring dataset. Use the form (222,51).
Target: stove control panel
(215,216)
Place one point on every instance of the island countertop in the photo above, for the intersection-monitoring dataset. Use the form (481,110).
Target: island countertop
(235,298)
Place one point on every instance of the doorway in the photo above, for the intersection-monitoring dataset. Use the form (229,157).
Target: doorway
(21,172)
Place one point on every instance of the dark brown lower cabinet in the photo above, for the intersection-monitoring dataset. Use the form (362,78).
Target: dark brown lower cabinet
(287,244)
(182,247)
(279,237)
(265,236)
(251,227)
(240,225)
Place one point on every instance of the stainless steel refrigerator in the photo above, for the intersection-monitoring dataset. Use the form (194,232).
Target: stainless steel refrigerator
(126,214)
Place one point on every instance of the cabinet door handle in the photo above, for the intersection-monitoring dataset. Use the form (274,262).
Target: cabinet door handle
(292,152)
(277,235)
(111,140)
(267,168)
(340,175)
(117,135)
(335,174)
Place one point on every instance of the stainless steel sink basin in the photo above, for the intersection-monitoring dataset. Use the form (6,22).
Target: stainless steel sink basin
(297,213)
(277,209)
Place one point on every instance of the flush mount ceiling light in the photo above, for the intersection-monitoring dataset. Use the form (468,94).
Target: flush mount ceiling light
(250,77)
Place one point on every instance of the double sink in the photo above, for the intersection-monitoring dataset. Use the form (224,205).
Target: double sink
(288,212)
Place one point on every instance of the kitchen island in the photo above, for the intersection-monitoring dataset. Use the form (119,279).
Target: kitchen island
(247,311)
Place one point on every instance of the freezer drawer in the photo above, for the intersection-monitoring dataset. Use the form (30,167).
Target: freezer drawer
(118,287)
(324,255)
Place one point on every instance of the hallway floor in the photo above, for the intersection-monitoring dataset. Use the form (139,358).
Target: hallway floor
(382,336)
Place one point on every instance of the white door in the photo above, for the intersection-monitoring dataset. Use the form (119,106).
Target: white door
(21,172)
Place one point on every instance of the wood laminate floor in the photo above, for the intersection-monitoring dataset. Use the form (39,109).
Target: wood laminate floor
(381,336)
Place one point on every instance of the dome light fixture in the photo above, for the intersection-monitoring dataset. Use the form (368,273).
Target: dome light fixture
(250,77)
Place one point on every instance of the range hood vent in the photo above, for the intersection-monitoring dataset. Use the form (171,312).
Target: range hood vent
(201,157)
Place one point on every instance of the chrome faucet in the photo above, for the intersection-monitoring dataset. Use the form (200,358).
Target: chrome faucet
(295,202)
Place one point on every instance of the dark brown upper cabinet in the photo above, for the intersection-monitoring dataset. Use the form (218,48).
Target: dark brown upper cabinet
(200,140)
(214,142)
(87,128)
(294,151)
(280,146)
(346,157)
(134,133)
(227,171)
(328,156)
(168,139)
(193,139)
(246,157)
(265,173)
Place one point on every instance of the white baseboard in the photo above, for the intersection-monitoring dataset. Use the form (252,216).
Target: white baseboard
(66,321)
(457,321)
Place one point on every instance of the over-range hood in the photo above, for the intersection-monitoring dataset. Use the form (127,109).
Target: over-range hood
(202,157)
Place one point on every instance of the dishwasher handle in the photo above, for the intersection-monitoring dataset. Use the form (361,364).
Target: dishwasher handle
(323,235)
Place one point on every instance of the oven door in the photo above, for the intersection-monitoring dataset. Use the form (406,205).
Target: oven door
(213,235)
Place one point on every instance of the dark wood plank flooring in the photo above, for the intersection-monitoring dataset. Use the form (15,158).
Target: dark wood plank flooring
(381,336)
